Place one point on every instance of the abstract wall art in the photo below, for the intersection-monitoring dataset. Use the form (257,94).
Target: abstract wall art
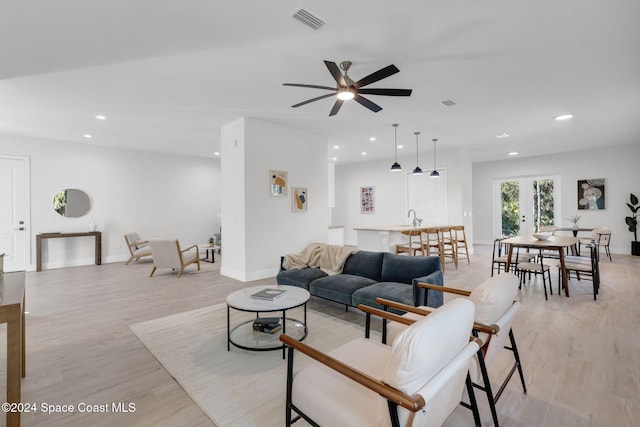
(591,194)
(367,200)
(277,183)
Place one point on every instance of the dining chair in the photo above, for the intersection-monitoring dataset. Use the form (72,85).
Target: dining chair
(601,237)
(414,245)
(496,305)
(585,266)
(535,267)
(500,255)
(365,383)
(166,253)
(138,248)
(460,238)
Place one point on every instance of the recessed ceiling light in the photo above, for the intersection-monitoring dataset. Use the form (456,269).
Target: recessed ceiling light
(513,153)
(335,147)
(400,146)
(101,117)
(86,135)
(502,135)
(334,159)
(373,138)
(217,153)
(364,153)
(564,117)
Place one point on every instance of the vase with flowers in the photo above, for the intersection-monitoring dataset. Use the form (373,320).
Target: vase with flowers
(574,220)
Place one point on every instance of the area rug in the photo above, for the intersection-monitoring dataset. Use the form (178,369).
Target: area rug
(237,387)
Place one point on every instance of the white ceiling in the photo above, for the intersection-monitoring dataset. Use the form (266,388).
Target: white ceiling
(167,74)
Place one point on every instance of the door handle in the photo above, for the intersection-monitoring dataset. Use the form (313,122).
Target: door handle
(19,229)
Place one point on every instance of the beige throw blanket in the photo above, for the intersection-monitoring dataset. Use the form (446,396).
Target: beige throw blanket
(330,258)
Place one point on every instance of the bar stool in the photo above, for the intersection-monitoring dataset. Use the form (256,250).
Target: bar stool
(461,242)
(433,243)
(448,245)
(413,246)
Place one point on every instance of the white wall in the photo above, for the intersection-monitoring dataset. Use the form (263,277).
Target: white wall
(258,228)
(390,188)
(157,195)
(618,165)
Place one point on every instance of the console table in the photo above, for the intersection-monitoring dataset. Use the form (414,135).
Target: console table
(12,313)
(96,234)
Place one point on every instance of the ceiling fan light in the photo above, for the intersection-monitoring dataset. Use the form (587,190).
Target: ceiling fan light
(434,174)
(345,94)
(395,167)
(417,171)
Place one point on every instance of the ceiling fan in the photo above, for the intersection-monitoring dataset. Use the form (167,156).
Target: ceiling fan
(348,89)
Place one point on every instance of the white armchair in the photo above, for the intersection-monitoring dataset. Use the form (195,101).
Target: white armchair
(495,309)
(166,253)
(138,248)
(365,383)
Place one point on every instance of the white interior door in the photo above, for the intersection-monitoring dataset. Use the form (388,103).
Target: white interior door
(14,212)
(428,197)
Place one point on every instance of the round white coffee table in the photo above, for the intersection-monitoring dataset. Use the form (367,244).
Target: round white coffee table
(243,336)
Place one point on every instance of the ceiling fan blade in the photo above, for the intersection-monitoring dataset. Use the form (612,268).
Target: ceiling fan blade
(310,86)
(366,103)
(336,107)
(313,99)
(378,75)
(335,72)
(388,92)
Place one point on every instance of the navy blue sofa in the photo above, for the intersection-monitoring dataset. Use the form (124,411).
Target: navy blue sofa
(368,275)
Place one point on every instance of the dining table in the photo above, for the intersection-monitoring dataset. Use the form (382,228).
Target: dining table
(558,243)
(574,230)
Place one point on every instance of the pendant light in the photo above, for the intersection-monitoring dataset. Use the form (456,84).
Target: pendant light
(417,170)
(395,166)
(434,173)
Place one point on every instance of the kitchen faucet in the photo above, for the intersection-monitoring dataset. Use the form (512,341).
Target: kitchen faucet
(415,221)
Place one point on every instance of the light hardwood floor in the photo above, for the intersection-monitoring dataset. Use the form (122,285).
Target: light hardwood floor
(581,357)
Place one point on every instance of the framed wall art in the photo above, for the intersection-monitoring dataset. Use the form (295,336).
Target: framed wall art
(277,183)
(591,194)
(299,199)
(367,200)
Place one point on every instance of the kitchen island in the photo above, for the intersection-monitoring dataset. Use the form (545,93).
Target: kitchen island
(382,238)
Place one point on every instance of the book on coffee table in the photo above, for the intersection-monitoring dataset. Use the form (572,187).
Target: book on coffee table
(269,294)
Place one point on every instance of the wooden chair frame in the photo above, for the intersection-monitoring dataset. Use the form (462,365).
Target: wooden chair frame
(132,246)
(412,247)
(394,396)
(477,328)
(461,242)
(196,260)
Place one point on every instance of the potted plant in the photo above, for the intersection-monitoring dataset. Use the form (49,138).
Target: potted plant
(574,219)
(632,222)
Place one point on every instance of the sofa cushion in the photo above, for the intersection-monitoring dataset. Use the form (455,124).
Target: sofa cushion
(339,288)
(403,268)
(365,264)
(300,278)
(399,292)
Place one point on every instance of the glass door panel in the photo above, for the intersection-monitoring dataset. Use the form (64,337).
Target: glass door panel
(525,205)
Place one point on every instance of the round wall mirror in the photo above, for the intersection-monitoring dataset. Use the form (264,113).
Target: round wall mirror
(71,203)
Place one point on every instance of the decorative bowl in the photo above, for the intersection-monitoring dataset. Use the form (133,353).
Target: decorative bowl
(542,236)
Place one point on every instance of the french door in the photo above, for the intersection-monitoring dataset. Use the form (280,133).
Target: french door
(523,205)
(14,175)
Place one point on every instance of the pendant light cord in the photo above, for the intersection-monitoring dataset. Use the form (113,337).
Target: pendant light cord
(417,133)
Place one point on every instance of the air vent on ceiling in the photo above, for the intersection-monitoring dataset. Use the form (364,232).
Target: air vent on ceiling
(448,103)
(307,18)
